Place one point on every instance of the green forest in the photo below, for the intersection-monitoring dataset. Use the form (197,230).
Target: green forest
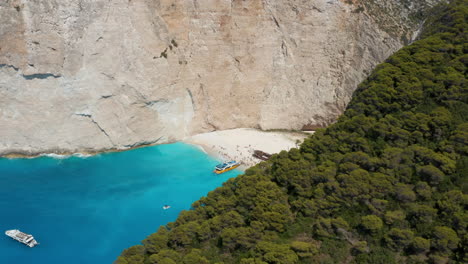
(387,183)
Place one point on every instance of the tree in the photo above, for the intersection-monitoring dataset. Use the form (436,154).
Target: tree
(460,139)
(184,235)
(423,190)
(371,223)
(431,174)
(452,203)
(133,255)
(276,253)
(121,260)
(165,256)
(378,255)
(445,239)
(242,237)
(420,244)
(404,193)
(392,217)
(252,261)
(399,238)
(305,249)
(421,213)
(361,247)
(157,241)
(195,257)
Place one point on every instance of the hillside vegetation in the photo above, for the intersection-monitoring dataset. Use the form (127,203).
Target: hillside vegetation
(386,184)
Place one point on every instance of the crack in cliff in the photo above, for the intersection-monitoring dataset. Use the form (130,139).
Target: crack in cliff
(97,125)
(142,100)
(153,102)
(9,66)
(110,77)
(284,44)
(275,20)
(317,9)
(106,96)
(284,49)
(207,107)
(141,97)
(143,143)
(83,115)
(31,76)
(40,76)
(191,98)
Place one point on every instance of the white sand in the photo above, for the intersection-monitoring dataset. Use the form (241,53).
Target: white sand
(239,144)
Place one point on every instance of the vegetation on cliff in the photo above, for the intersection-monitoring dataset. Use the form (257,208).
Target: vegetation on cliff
(387,183)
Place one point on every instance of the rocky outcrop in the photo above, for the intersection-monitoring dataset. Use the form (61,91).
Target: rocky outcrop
(88,75)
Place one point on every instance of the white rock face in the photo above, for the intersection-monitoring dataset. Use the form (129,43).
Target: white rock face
(90,75)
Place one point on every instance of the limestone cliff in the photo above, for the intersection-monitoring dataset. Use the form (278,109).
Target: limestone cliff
(87,75)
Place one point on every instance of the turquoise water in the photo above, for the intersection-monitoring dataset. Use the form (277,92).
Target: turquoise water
(87,210)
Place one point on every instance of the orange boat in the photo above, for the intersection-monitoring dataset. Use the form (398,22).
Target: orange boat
(221,168)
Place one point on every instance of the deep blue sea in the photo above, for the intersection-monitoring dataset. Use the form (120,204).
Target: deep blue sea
(87,210)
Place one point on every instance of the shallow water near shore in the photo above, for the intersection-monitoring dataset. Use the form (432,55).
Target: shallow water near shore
(87,210)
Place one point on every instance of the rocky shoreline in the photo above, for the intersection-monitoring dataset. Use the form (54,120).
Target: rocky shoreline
(61,152)
(234,144)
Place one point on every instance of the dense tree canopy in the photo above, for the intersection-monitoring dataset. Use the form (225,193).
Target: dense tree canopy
(387,183)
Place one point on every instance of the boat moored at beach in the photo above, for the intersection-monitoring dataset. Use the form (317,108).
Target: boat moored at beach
(24,238)
(227,166)
(261,155)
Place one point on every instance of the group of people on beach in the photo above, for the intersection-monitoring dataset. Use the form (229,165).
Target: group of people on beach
(239,156)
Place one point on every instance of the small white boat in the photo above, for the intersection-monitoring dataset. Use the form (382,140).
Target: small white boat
(24,238)
(166,207)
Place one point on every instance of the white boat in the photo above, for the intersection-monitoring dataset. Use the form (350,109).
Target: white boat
(24,238)
(166,207)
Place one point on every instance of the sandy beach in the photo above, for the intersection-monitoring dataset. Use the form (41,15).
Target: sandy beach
(239,144)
